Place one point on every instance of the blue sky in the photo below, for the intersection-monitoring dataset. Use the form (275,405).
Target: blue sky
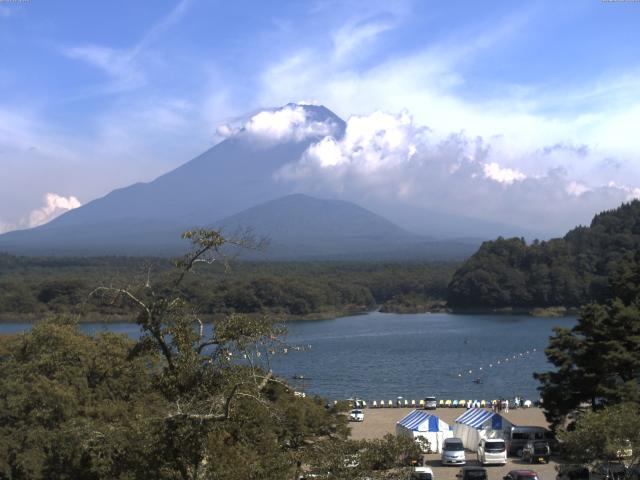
(98,95)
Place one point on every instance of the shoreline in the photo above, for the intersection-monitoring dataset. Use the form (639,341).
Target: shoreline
(542,312)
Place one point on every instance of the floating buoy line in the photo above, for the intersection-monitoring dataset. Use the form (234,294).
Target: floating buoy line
(502,361)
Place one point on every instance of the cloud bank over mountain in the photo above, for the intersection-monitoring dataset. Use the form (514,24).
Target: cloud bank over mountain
(387,158)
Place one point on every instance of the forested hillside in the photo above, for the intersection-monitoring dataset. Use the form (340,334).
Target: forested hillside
(32,286)
(568,271)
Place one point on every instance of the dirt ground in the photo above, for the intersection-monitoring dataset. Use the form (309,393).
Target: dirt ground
(378,422)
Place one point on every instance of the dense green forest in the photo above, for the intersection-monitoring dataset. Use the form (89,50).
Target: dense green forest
(33,286)
(180,403)
(568,271)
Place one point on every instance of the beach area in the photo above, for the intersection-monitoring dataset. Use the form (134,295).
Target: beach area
(379,422)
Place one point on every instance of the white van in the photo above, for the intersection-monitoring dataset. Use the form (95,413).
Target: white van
(492,451)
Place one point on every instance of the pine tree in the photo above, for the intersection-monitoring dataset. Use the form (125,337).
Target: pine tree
(597,361)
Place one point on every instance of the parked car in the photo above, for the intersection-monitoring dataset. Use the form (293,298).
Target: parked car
(521,475)
(633,472)
(519,436)
(422,473)
(356,415)
(572,472)
(609,471)
(430,403)
(472,473)
(492,451)
(536,451)
(453,452)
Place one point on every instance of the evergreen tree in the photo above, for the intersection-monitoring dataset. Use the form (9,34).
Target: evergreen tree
(598,360)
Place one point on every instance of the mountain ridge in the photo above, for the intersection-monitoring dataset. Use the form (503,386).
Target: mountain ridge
(235,175)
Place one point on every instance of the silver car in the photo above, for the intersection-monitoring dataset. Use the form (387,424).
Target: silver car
(453,452)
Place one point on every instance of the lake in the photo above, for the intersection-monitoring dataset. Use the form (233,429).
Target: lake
(382,355)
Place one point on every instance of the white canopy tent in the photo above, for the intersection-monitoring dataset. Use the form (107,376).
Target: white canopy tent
(420,424)
(477,423)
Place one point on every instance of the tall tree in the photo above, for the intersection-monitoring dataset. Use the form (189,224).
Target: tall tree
(597,361)
(187,401)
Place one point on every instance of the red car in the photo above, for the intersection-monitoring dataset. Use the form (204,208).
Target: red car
(521,475)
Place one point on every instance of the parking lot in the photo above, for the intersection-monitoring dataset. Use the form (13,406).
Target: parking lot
(378,422)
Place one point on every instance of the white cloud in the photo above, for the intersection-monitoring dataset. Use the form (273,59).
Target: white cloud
(352,36)
(632,193)
(576,188)
(577,124)
(54,205)
(370,143)
(389,161)
(502,175)
(120,65)
(124,66)
(285,124)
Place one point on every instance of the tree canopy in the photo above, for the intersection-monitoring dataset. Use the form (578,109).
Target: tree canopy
(568,271)
(185,401)
(598,360)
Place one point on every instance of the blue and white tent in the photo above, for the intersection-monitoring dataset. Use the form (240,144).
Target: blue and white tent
(420,424)
(477,423)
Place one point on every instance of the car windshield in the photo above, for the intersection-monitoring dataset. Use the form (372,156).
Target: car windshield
(355,412)
(495,447)
(527,477)
(453,446)
(475,475)
(430,399)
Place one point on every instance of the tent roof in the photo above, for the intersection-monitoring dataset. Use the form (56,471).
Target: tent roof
(416,418)
(476,417)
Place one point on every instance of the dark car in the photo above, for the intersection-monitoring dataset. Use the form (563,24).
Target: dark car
(521,475)
(537,451)
(633,472)
(609,471)
(519,436)
(572,472)
(472,473)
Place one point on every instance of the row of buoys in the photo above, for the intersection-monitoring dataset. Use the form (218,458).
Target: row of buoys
(399,403)
(274,351)
(291,348)
(506,360)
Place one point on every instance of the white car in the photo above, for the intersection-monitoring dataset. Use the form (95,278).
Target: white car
(492,451)
(356,415)
(453,452)
(422,473)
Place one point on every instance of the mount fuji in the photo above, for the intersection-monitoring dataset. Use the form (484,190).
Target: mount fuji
(233,185)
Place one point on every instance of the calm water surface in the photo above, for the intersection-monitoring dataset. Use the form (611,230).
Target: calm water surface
(382,356)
